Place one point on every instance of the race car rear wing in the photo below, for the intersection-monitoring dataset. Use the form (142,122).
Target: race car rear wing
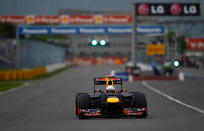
(103,80)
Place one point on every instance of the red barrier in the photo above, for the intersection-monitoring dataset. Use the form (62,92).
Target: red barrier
(98,60)
(141,78)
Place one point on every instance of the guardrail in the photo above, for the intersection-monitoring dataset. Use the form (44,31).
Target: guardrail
(22,74)
(29,73)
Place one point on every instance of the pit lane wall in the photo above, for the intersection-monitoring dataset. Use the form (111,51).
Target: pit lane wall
(29,73)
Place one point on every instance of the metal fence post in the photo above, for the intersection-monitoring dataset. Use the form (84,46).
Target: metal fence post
(134,35)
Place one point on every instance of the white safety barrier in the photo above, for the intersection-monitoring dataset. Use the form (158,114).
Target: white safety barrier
(51,68)
(143,67)
(181,76)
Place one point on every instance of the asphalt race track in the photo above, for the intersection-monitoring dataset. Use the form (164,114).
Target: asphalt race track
(48,105)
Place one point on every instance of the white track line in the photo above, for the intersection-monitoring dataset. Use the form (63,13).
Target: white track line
(172,99)
(14,89)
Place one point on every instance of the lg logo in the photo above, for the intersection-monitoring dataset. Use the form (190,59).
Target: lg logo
(190,9)
(176,9)
(145,9)
(158,9)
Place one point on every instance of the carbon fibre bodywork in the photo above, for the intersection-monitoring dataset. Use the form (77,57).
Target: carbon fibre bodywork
(110,103)
(99,107)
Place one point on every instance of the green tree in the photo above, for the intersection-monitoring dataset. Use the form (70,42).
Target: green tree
(7,30)
(171,38)
(182,43)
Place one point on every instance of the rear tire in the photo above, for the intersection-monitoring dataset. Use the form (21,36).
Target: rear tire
(139,101)
(83,101)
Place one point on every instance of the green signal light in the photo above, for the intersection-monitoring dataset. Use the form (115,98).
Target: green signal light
(176,63)
(103,42)
(94,42)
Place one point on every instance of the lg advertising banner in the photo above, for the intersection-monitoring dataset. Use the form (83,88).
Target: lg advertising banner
(168,9)
(196,44)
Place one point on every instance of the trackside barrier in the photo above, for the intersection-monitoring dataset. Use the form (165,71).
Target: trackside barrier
(188,76)
(123,75)
(53,67)
(30,73)
(22,74)
(99,60)
(181,76)
(142,78)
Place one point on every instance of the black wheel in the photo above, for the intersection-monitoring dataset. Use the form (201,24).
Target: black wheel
(77,101)
(139,101)
(82,102)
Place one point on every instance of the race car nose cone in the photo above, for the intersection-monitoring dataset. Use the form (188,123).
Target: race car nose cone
(113,100)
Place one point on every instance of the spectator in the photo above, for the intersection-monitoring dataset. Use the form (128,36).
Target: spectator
(156,71)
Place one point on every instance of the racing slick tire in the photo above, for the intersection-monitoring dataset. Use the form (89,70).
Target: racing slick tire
(82,102)
(139,101)
(76,102)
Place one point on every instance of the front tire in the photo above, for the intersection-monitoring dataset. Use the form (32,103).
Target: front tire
(83,101)
(77,101)
(139,101)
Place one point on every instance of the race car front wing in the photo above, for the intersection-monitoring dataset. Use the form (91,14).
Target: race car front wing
(126,112)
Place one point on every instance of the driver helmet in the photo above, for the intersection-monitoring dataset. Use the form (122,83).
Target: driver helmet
(110,87)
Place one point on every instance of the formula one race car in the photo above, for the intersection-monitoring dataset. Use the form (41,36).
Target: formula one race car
(110,102)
